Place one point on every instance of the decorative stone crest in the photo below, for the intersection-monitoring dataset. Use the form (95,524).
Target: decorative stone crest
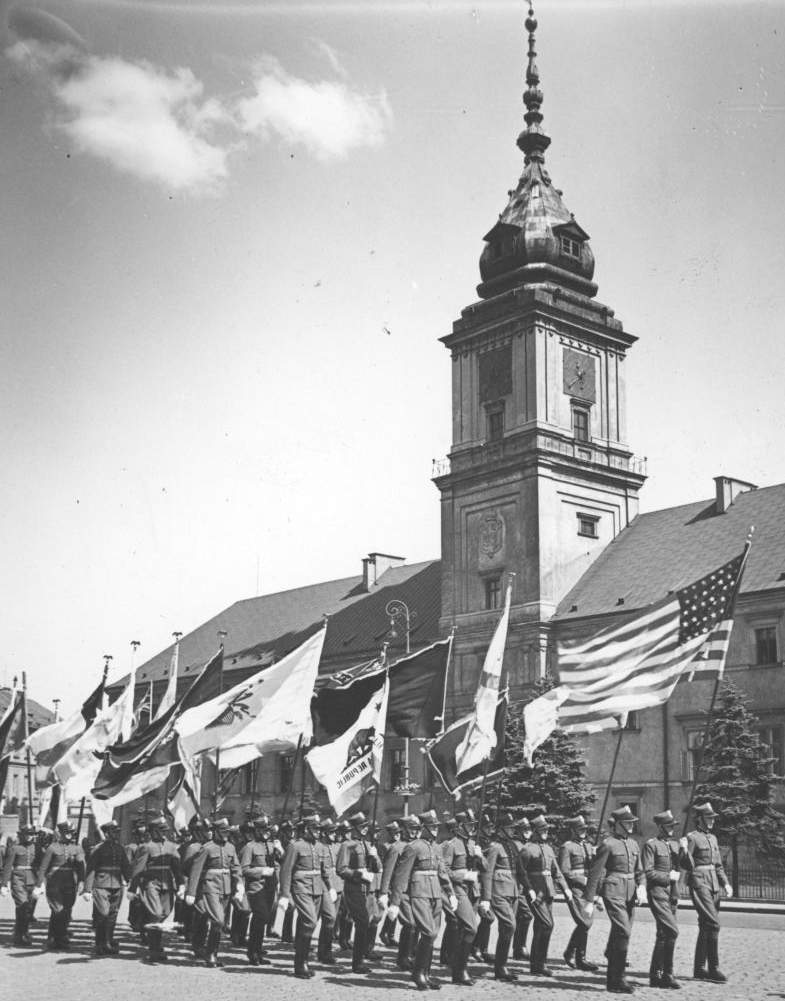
(491,535)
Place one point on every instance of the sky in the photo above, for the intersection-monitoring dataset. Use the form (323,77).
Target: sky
(233,233)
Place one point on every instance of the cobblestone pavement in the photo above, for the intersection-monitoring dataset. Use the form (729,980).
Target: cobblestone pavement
(752,950)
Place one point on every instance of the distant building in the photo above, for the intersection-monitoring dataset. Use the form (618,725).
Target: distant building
(15,799)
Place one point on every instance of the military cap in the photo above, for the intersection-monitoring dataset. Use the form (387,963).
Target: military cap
(540,823)
(449,820)
(222,825)
(623,813)
(465,817)
(393,827)
(328,824)
(344,826)
(312,820)
(110,825)
(664,819)
(158,821)
(286,824)
(523,822)
(247,826)
(66,827)
(413,822)
(261,821)
(578,822)
(704,810)
(429,818)
(505,819)
(358,819)
(28,829)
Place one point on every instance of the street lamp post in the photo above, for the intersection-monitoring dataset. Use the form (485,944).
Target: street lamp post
(399,611)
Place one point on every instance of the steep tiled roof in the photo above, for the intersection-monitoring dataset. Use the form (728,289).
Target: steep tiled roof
(665,550)
(265,628)
(38,715)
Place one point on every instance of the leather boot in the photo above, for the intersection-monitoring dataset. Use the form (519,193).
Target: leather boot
(404,942)
(581,963)
(112,945)
(387,934)
(26,915)
(99,933)
(667,979)
(620,984)
(213,943)
(570,951)
(448,943)
(345,932)
(414,941)
(541,969)
(301,969)
(699,965)
(480,943)
(433,983)
(502,952)
(358,952)
(370,941)
(324,948)
(713,952)
(522,923)
(460,960)
(420,965)
(655,969)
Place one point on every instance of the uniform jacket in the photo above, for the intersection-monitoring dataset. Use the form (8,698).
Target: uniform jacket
(19,862)
(62,863)
(703,861)
(391,858)
(575,859)
(498,877)
(353,857)
(421,872)
(616,869)
(461,862)
(217,867)
(659,858)
(304,869)
(157,860)
(538,869)
(107,867)
(256,856)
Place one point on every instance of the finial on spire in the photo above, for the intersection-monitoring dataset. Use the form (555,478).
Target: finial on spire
(533,141)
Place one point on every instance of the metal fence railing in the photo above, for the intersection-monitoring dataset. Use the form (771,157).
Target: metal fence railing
(754,883)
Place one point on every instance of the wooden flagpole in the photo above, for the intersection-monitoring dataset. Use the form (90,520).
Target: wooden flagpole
(221,637)
(107,658)
(610,782)
(294,772)
(28,755)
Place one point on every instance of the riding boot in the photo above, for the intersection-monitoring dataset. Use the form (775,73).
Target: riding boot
(99,933)
(414,942)
(370,940)
(460,960)
(403,948)
(522,923)
(448,943)
(300,965)
(656,967)
(433,983)
(699,965)
(712,950)
(420,965)
(667,979)
(480,943)
(571,949)
(502,952)
(582,963)
(387,934)
(358,951)
(286,930)
(324,948)
(621,985)
(213,943)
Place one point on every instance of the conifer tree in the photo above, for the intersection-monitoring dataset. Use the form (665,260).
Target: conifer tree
(736,775)
(556,781)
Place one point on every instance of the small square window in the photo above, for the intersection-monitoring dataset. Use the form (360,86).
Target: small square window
(766,645)
(493,590)
(571,247)
(588,525)
(580,424)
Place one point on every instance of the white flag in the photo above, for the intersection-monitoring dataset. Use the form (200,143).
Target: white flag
(540,719)
(171,689)
(352,763)
(480,738)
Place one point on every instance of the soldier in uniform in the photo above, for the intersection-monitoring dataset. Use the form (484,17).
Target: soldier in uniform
(358,860)
(19,874)
(343,924)
(194,926)
(539,873)
(575,858)
(108,870)
(499,889)
(139,837)
(287,836)
(463,858)
(304,875)
(523,915)
(661,859)
(156,875)
(482,938)
(214,880)
(705,873)
(422,874)
(327,907)
(391,860)
(62,870)
(618,873)
(258,861)
(393,829)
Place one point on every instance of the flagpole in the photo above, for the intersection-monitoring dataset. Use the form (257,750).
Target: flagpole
(396,609)
(446,679)
(107,658)
(610,782)
(28,756)
(221,637)
(384,740)
(294,772)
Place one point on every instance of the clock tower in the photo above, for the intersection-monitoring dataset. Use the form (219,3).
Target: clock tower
(539,478)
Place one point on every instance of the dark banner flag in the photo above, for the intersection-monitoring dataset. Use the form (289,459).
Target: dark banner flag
(416,700)
(441,753)
(12,736)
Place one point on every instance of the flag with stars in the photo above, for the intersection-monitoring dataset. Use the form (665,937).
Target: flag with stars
(637,664)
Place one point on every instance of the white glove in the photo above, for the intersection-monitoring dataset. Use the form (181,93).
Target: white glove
(87,896)
(452,901)
(484,906)
(366,876)
(392,911)
(267,870)
(333,894)
(532,896)
(130,894)
(181,891)
(190,899)
(567,893)
(588,908)
(478,852)
(38,891)
(728,890)
(600,905)
(674,875)
(683,844)
(239,893)
(4,891)
(640,894)
(277,844)
(372,853)
(470,877)
(283,903)
(384,900)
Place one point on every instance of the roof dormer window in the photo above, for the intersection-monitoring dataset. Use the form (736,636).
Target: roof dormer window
(535,190)
(571,247)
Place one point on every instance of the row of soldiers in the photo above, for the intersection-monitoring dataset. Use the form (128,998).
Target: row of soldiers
(501,870)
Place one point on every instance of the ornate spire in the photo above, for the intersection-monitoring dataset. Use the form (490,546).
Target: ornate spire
(533,141)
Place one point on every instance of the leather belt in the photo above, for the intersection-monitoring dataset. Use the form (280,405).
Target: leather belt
(426,872)
(708,867)
(308,872)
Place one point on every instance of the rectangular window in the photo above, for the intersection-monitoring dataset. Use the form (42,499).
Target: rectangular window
(773,740)
(580,424)
(495,424)
(397,767)
(693,755)
(249,778)
(493,589)
(766,645)
(588,525)
(285,772)
(570,247)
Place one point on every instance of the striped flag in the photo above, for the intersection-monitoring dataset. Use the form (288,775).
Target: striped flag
(637,664)
(442,753)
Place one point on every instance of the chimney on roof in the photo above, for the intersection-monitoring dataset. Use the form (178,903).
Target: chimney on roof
(728,489)
(376,564)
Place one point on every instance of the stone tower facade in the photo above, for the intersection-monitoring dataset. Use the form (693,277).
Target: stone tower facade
(539,478)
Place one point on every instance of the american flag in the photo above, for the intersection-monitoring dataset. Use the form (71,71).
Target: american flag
(637,664)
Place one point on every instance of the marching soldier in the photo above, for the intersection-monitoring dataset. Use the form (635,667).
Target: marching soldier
(575,858)
(214,880)
(194,925)
(156,875)
(539,872)
(422,874)
(19,874)
(62,870)
(523,915)
(462,858)
(499,890)
(661,859)
(357,863)
(258,862)
(240,909)
(139,837)
(617,867)
(483,936)
(392,859)
(108,870)
(327,906)
(304,875)
(705,873)
(287,834)
(394,835)
(343,925)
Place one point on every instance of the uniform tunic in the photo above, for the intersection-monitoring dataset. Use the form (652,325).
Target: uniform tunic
(63,869)
(575,859)
(659,858)
(498,883)
(19,872)
(539,871)
(155,874)
(358,894)
(327,909)
(215,874)
(460,860)
(705,872)
(258,860)
(422,874)
(304,875)
(617,871)
(107,870)
(392,859)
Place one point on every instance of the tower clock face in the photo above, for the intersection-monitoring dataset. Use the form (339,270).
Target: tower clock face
(579,371)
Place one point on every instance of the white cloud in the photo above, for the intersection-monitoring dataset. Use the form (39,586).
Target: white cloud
(327,117)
